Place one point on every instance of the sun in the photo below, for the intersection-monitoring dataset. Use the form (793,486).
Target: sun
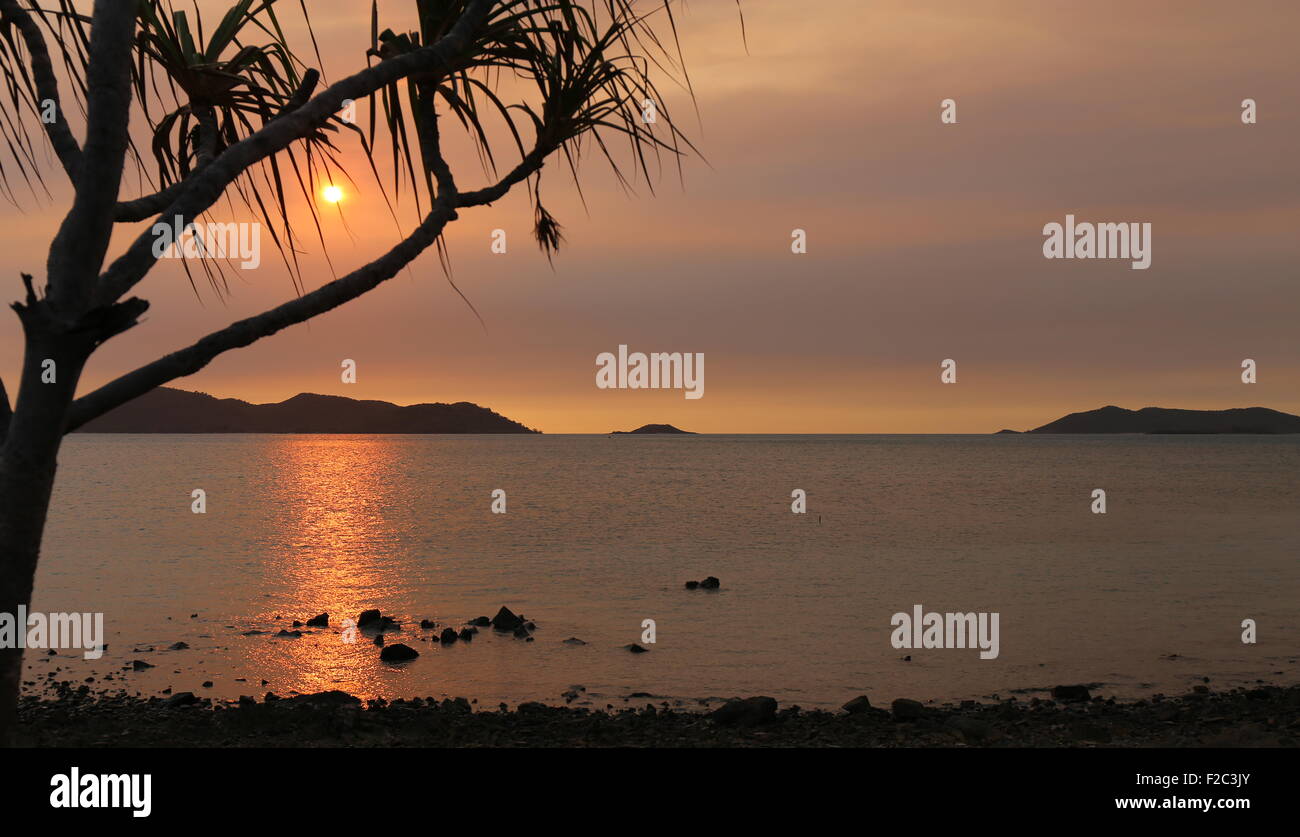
(333,194)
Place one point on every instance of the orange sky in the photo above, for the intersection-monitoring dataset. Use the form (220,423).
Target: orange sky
(924,239)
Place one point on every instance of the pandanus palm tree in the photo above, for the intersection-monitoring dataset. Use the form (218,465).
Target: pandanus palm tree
(235,110)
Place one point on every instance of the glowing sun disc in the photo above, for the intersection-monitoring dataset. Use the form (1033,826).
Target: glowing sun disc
(333,194)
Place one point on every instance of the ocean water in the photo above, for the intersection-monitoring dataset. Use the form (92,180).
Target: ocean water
(601,533)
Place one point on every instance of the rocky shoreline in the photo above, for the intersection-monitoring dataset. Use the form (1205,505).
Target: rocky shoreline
(1268,716)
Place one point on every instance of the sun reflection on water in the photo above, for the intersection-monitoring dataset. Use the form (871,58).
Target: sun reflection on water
(337,523)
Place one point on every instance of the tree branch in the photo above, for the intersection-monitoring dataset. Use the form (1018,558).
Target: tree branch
(47,87)
(206,187)
(530,165)
(189,360)
(150,205)
(78,250)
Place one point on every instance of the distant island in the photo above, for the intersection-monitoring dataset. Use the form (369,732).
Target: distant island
(167,410)
(1160,420)
(654,428)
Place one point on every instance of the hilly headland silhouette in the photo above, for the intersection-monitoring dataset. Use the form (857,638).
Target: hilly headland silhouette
(167,410)
(1162,420)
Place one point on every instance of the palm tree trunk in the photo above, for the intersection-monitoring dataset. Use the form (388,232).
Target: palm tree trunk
(28,460)
(25,487)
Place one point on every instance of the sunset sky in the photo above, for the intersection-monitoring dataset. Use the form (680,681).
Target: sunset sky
(924,240)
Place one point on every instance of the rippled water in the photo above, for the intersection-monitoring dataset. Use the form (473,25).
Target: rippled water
(601,533)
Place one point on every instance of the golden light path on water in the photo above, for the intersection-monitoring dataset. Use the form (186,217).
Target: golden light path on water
(335,499)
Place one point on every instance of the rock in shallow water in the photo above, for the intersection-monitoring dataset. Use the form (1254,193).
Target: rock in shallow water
(321,700)
(505,620)
(398,653)
(907,710)
(1071,693)
(750,712)
(858,705)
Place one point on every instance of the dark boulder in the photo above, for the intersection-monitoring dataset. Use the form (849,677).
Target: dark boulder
(398,653)
(459,706)
(750,712)
(323,700)
(180,699)
(427,624)
(907,710)
(858,705)
(710,583)
(691,585)
(480,621)
(1071,693)
(505,620)
(448,636)
(636,649)
(467,633)
(178,646)
(367,618)
(321,621)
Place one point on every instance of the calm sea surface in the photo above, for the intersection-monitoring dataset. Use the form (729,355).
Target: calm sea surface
(1200,533)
